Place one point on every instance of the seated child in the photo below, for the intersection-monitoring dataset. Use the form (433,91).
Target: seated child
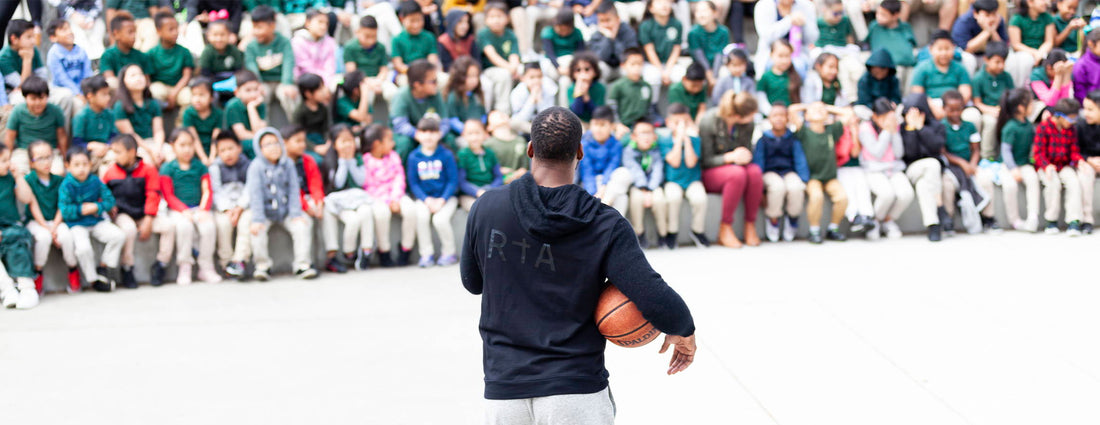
(94,126)
(271,57)
(19,61)
(989,85)
(228,181)
(385,183)
(346,202)
(509,148)
(880,81)
(478,168)
(1011,160)
(683,174)
(413,102)
(660,36)
(586,93)
(172,65)
(880,156)
(136,186)
(313,113)
(314,49)
(707,39)
(246,112)
(220,59)
(1052,81)
(629,95)
(533,95)
(691,91)
(465,99)
(1067,25)
(88,27)
(458,41)
(559,43)
(15,240)
(366,55)
(433,179)
(203,119)
(647,174)
(891,33)
(122,53)
(1056,157)
(822,84)
(66,60)
(739,76)
(352,107)
(500,59)
(599,170)
(962,149)
(37,119)
(139,115)
(310,180)
(781,83)
(818,141)
(44,220)
(1086,71)
(141,11)
(84,202)
(780,156)
(413,43)
(185,183)
(273,193)
(941,74)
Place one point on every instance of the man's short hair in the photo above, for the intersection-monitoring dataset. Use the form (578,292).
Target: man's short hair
(985,5)
(996,48)
(408,7)
(556,134)
(263,14)
(696,72)
(603,113)
(35,85)
(368,22)
(892,6)
(126,140)
(93,84)
(418,71)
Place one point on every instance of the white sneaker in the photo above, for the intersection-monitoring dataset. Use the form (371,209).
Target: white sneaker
(771,231)
(790,230)
(1031,225)
(893,232)
(183,277)
(1019,225)
(27,299)
(9,298)
(209,275)
(874,231)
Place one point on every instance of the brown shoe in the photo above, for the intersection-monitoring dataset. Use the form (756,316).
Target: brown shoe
(726,237)
(751,238)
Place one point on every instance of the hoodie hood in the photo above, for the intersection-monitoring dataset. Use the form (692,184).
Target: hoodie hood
(919,101)
(257,152)
(881,58)
(452,20)
(552,213)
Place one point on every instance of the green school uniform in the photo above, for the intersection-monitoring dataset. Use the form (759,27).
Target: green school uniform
(138,8)
(1070,44)
(509,153)
(368,60)
(776,86)
(142,117)
(663,37)
(36,127)
(632,99)
(272,62)
(820,150)
(479,168)
(989,88)
(959,138)
(169,63)
(504,44)
(46,193)
(677,94)
(465,107)
(899,41)
(216,62)
(412,47)
(10,62)
(1032,31)
(405,105)
(204,126)
(936,81)
(114,60)
(186,183)
(834,35)
(236,112)
(563,46)
(712,43)
(597,92)
(1019,135)
(94,126)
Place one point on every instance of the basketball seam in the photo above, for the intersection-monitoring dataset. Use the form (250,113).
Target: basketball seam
(628,333)
(606,315)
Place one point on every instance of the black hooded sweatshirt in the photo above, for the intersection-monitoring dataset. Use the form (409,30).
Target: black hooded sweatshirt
(539,257)
(928,142)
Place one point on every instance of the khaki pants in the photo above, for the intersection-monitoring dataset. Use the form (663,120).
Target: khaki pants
(632,11)
(21,162)
(496,83)
(925,175)
(146,37)
(203,223)
(274,91)
(1010,191)
(237,249)
(1053,183)
(854,180)
(441,221)
(358,223)
(466,202)
(301,236)
(160,92)
(162,227)
(526,19)
(43,241)
(988,130)
(637,210)
(816,201)
(950,187)
(105,232)
(696,195)
(617,190)
(90,40)
(1019,66)
(1087,176)
(1031,192)
(789,187)
(893,194)
(382,216)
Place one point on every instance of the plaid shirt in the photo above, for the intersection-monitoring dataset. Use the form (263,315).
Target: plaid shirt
(1054,146)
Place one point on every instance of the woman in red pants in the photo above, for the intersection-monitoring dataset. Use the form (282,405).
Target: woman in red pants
(726,135)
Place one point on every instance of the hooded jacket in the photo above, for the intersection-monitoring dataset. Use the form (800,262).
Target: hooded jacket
(272,187)
(539,257)
(871,88)
(136,189)
(646,176)
(228,183)
(928,142)
(1086,75)
(781,155)
(451,47)
(613,51)
(600,160)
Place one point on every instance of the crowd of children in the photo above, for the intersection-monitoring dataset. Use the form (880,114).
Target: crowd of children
(139,123)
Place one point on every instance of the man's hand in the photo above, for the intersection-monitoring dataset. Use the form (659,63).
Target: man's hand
(682,354)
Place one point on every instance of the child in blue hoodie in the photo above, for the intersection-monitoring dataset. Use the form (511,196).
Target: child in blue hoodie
(433,180)
(84,202)
(274,197)
(779,154)
(600,168)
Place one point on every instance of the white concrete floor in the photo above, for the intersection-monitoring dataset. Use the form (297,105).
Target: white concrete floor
(987,330)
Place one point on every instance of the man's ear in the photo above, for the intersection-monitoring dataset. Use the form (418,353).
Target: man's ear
(580,152)
(530,150)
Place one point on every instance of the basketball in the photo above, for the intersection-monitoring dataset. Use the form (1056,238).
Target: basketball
(620,321)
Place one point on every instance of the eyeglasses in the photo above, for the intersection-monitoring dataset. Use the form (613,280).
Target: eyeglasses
(42,158)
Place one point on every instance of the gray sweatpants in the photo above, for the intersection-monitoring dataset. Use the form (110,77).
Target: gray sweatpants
(574,409)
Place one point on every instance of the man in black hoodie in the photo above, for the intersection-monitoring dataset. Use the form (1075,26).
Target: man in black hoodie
(924,138)
(539,251)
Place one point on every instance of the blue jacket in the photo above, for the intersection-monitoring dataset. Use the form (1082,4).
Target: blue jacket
(68,67)
(600,160)
(73,194)
(651,178)
(434,176)
(781,155)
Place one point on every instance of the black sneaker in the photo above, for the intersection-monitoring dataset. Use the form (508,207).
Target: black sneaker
(307,273)
(670,240)
(364,261)
(403,257)
(1086,228)
(947,223)
(700,240)
(128,280)
(156,275)
(348,259)
(335,265)
(935,233)
(642,241)
(102,282)
(989,225)
(235,269)
(384,259)
(835,235)
(858,224)
(815,237)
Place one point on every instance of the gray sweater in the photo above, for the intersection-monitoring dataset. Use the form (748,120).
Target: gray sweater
(228,184)
(272,187)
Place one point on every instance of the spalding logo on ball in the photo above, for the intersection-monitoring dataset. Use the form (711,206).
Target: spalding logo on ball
(620,321)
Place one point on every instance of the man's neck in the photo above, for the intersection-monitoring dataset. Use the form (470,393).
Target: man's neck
(548,174)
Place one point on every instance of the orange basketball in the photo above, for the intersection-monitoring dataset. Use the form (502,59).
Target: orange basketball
(620,321)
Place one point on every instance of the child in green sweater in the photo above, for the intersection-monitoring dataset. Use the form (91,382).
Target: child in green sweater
(478,169)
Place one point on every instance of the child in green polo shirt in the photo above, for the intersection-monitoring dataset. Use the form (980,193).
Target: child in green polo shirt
(962,149)
(509,148)
(660,36)
(271,57)
(1067,25)
(629,95)
(838,37)
(412,103)
(819,146)
(890,33)
(94,126)
(1011,162)
(941,74)
(141,12)
(37,119)
(989,84)
(122,53)
(15,240)
(173,65)
(365,54)
(463,96)
(707,39)
(351,106)
(781,83)
(203,118)
(20,49)
(559,42)
(478,168)
(1030,32)
(138,114)
(44,220)
(499,56)
(691,91)
(413,43)
(220,58)
(313,114)
(186,189)
(246,113)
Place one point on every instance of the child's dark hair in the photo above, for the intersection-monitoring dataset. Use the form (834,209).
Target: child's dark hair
(161,18)
(952,95)
(831,3)
(418,71)
(309,83)
(607,7)
(794,81)
(742,56)
(881,106)
(227,134)
(219,23)
(121,19)
(35,85)
(429,122)
(336,130)
(1092,37)
(263,14)
(633,51)
(678,109)
(642,121)
(892,6)
(940,35)
(695,72)
(531,66)
(1094,96)
(76,151)
(37,143)
(996,48)
(986,5)
(3,148)
(123,95)
(823,57)
(368,22)
(1010,104)
(708,4)
(331,161)
(55,25)
(313,13)
(18,27)
(244,76)
(496,5)
(348,87)
(1055,56)
(408,7)
(457,83)
(202,82)
(564,17)
(127,141)
(372,134)
(588,57)
(290,130)
(556,135)
(177,133)
(603,113)
(1066,106)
